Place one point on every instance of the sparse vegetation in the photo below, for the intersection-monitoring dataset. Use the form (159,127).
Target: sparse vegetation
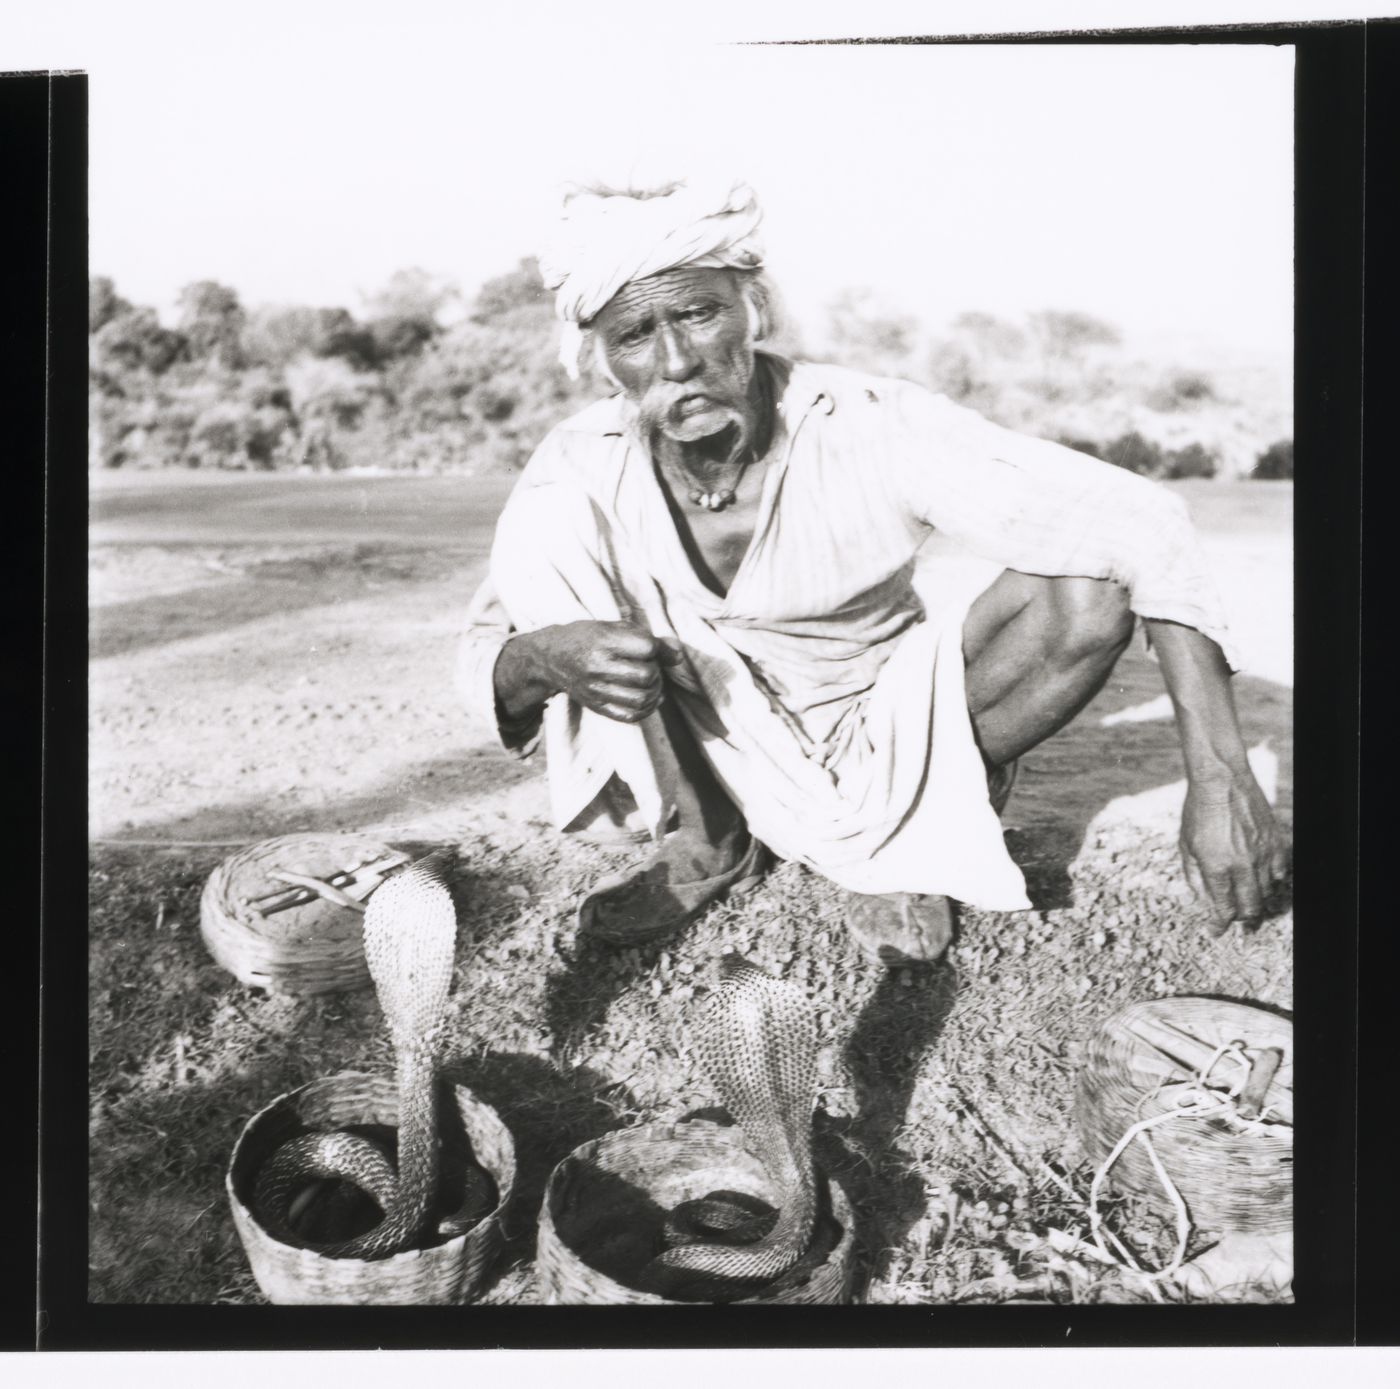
(1276,462)
(1136,454)
(946,1100)
(426,379)
(293,386)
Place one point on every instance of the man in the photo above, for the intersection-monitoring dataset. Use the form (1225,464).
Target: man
(701,591)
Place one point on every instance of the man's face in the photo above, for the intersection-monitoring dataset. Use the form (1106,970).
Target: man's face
(679,345)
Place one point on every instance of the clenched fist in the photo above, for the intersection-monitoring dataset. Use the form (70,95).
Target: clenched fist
(613,668)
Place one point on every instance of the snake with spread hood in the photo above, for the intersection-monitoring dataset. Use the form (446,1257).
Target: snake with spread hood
(410,935)
(757,1041)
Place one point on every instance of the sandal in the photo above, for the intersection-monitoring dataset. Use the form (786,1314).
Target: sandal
(900,928)
(658,907)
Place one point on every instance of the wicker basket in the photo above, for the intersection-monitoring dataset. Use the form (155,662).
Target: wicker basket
(1230,1177)
(311,949)
(450,1272)
(606,1202)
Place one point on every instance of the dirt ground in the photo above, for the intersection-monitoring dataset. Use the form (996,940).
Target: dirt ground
(273,655)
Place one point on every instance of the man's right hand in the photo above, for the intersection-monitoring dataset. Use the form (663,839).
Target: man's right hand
(613,668)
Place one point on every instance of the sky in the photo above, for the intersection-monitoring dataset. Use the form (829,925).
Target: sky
(303,153)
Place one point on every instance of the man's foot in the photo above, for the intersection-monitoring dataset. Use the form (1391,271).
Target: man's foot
(900,928)
(684,877)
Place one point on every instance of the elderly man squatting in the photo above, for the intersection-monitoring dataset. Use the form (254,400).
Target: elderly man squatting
(701,592)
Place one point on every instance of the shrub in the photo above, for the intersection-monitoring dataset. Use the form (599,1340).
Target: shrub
(952,370)
(1192,385)
(1136,454)
(991,335)
(276,336)
(862,330)
(134,341)
(1082,446)
(212,319)
(400,335)
(108,427)
(1192,461)
(1275,463)
(1063,333)
(329,390)
(104,303)
(1182,390)
(504,294)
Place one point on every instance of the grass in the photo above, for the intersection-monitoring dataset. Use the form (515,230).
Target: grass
(946,1103)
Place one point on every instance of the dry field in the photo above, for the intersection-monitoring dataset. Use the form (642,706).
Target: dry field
(274,655)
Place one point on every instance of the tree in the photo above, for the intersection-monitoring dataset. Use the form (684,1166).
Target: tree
(1065,333)
(329,391)
(134,340)
(955,371)
(104,303)
(413,294)
(1275,463)
(211,318)
(1136,453)
(1182,390)
(407,313)
(990,336)
(504,294)
(276,336)
(867,336)
(1192,461)
(397,336)
(1082,446)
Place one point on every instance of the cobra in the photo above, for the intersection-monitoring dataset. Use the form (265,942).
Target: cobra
(757,1041)
(410,934)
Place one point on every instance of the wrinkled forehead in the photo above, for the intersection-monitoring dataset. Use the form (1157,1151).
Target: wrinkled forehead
(671,289)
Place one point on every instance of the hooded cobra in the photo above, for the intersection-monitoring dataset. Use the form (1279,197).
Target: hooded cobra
(758,1043)
(410,934)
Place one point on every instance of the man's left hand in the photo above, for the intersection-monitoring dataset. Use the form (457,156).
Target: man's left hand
(1232,849)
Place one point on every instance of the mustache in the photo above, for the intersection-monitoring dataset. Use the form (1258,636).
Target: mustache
(658,406)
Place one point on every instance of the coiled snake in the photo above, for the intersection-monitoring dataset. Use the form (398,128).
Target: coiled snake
(757,1041)
(410,934)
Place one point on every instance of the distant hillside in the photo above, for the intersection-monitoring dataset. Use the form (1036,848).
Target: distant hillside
(423,380)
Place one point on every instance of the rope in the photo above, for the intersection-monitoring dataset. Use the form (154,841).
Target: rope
(1197,1101)
(1043,1167)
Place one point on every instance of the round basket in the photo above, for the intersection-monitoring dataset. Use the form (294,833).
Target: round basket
(312,949)
(449,1272)
(606,1202)
(1232,1177)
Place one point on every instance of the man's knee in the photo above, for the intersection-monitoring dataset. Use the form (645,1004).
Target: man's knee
(1090,617)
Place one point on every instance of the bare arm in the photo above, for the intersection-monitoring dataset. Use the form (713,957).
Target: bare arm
(1040,508)
(1231,847)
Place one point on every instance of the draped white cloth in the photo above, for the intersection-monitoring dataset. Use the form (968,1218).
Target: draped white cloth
(830,707)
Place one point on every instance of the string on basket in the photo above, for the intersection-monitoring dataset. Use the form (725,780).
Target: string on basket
(1198,1101)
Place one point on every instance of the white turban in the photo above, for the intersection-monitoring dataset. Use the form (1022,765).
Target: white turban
(606,239)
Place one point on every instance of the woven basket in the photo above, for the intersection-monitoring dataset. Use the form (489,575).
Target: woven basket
(605,1205)
(313,949)
(450,1272)
(1230,1179)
